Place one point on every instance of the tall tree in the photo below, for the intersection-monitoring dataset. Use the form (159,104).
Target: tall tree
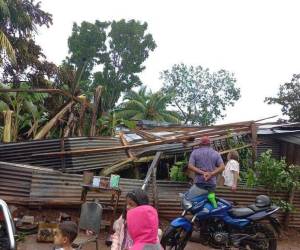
(118,48)
(201,96)
(145,105)
(289,98)
(19,21)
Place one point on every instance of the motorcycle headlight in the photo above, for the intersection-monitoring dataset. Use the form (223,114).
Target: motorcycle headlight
(186,204)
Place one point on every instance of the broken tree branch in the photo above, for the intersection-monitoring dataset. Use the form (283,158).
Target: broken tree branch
(51,91)
(45,130)
(97,96)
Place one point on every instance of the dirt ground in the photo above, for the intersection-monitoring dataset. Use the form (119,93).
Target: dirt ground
(290,241)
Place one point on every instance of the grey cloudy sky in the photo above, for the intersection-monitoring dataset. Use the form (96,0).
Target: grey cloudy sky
(258,40)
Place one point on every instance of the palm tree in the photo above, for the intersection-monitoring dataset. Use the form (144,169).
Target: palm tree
(5,45)
(145,105)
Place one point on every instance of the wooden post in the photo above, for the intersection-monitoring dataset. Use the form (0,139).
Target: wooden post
(7,125)
(125,143)
(62,148)
(81,116)
(97,96)
(154,187)
(150,170)
(254,141)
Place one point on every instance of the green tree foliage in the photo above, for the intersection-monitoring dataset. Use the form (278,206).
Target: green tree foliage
(5,46)
(145,105)
(274,175)
(28,109)
(289,98)
(118,49)
(177,172)
(201,96)
(18,23)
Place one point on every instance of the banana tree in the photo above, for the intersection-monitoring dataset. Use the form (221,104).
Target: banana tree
(27,111)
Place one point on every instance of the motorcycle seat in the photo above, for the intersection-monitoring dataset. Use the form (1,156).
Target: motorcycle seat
(258,209)
(241,212)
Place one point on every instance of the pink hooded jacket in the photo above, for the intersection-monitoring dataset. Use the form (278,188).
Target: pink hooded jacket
(142,225)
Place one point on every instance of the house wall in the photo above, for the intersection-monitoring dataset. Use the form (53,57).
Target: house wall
(291,152)
(268,143)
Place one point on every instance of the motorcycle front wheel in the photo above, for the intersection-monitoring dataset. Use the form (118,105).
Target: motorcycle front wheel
(264,239)
(175,238)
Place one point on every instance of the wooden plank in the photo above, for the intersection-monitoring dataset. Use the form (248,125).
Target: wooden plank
(254,142)
(125,143)
(154,187)
(150,170)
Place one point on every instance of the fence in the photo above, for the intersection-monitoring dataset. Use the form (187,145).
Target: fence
(27,185)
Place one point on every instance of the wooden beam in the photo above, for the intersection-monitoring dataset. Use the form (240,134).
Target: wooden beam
(7,133)
(117,167)
(125,143)
(143,145)
(81,116)
(146,135)
(238,148)
(254,141)
(150,170)
(154,187)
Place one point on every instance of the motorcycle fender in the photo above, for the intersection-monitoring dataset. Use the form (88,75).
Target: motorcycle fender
(275,224)
(182,222)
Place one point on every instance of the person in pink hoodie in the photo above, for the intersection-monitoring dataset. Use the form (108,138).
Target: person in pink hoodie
(142,224)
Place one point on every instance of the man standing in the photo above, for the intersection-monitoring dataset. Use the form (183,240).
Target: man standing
(206,163)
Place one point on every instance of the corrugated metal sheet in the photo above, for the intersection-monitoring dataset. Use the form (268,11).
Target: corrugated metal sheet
(21,152)
(15,180)
(268,143)
(93,161)
(62,189)
(35,186)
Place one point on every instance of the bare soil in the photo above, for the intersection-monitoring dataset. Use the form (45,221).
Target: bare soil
(289,241)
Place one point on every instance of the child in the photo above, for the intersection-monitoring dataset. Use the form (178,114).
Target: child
(232,170)
(121,240)
(65,235)
(143,226)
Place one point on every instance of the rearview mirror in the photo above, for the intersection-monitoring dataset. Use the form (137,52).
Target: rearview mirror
(7,228)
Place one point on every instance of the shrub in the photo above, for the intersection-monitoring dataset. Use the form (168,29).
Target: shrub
(177,171)
(274,175)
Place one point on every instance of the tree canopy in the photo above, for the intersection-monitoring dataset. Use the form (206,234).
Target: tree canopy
(145,105)
(18,24)
(117,48)
(200,96)
(289,98)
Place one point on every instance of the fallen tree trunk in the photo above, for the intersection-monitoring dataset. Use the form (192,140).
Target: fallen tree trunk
(45,130)
(7,125)
(95,110)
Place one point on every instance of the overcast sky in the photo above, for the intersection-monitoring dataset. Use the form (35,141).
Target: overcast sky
(257,40)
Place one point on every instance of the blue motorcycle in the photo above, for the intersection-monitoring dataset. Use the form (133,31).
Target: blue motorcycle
(221,226)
